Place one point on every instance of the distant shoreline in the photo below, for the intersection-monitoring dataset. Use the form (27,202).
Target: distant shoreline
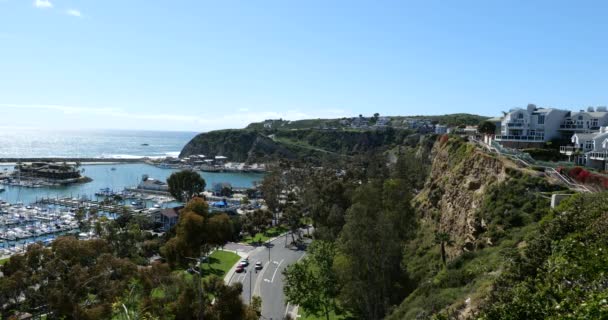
(81,160)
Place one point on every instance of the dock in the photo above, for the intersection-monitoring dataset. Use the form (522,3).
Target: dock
(76,204)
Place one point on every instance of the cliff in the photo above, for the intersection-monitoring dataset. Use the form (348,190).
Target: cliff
(310,145)
(481,206)
(237,145)
(459,179)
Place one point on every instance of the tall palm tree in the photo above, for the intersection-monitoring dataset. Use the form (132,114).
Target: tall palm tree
(443,239)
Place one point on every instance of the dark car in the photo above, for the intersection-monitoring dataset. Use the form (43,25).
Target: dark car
(239,269)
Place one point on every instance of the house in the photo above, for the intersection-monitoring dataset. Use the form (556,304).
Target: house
(382,121)
(359,122)
(589,149)
(441,129)
(585,121)
(168,217)
(530,127)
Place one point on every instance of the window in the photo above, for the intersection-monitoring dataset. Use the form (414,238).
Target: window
(589,145)
(580,117)
(594,123)
(520,116)
(541,119)
(532,132)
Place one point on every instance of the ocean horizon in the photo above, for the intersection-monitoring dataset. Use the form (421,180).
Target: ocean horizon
(113,144)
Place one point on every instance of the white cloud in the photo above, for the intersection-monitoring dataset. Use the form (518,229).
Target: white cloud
(43,4)
(74,13)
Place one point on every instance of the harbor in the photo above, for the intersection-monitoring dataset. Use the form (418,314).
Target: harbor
(42,213)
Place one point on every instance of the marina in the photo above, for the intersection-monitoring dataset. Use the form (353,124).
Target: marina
(40,212)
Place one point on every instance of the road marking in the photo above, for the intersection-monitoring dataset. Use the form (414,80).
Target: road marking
(266,280)
(258,280)
(275,271)
(286,310)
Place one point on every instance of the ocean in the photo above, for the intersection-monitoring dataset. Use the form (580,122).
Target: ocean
(123,175)
(115,144)
(33,143)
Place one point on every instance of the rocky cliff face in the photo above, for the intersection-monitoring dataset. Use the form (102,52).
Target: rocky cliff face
(454,191)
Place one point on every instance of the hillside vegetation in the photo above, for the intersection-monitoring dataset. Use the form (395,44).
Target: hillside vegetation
(310,145)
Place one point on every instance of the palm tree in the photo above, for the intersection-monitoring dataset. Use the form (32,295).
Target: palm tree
(443,239)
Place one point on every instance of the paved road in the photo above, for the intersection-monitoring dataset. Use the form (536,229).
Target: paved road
(268,282)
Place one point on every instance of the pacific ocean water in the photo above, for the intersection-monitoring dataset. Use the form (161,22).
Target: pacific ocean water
(34,143)
(95,144)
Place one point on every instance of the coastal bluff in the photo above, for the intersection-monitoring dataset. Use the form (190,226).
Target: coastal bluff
(237,145)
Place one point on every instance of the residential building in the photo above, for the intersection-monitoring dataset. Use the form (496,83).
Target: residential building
(441,129)
(168,218)
(590,149)
(585,121)
(530,126)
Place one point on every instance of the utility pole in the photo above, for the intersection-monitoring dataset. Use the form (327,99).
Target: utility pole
(250,275)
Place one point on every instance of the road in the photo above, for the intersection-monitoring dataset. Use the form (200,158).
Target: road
(268,282)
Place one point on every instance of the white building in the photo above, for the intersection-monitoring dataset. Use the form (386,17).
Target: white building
(531,125)
(585,121)
(441,129)
(590,149)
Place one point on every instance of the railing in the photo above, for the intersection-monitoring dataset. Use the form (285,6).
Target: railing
(571,126)
(519,138)
(516,124)
(568,149)
(598,155)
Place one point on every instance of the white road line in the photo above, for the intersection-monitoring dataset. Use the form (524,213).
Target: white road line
(286,310)
(275,271)
(258,281)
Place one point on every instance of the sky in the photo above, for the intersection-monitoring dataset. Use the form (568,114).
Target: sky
(203,65)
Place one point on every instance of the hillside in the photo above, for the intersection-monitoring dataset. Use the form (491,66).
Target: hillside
(483,206)
(306,145)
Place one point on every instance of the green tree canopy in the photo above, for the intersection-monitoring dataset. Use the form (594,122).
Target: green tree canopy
(183,185)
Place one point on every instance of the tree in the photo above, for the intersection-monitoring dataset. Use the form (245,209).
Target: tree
(443,239)
(256,221)
(293,218)
(183,185)
(370,247)
(271,188)
(313,282)
(487,127)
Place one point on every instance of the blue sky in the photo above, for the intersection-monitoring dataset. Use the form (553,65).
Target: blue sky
(203,65)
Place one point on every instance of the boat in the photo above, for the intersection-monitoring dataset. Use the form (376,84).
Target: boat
(144,144)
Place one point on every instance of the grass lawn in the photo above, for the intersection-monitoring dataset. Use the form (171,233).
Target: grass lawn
(265,236)
(3,261)
(219,263)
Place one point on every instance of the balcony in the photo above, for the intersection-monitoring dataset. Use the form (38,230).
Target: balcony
(515,124)
(598,155)
(520,138)
(572,127)
(568,150)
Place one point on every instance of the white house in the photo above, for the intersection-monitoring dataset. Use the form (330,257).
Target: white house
(441,129)
(585,121)
(530,126)
(590,149)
